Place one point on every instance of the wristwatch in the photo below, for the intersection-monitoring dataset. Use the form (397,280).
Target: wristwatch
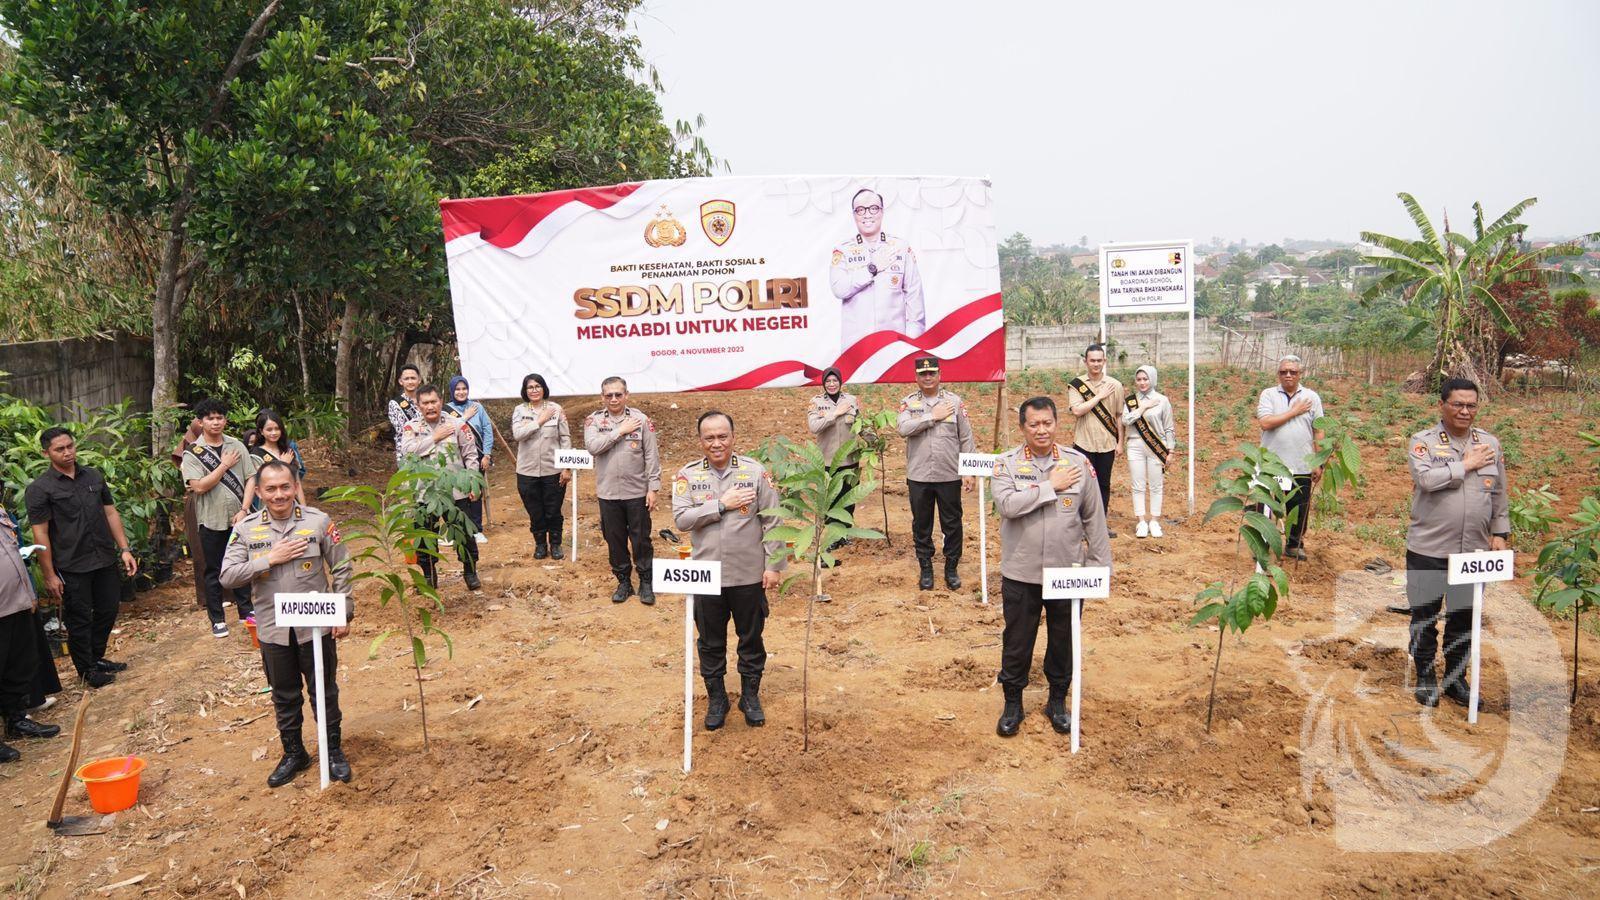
(124,550)
(721,508)
(872,269)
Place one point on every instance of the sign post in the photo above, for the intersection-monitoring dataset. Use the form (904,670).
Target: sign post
(1077,584)
(567,458)
(683,576)
(316,612)
(1478,569)
(1154,276)
(981,467)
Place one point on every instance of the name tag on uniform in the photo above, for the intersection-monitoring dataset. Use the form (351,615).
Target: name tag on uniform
(1481,567)
(310,610)
(1077,582)
(686,576)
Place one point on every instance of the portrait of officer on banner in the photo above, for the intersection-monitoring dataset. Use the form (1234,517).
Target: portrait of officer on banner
(875,276)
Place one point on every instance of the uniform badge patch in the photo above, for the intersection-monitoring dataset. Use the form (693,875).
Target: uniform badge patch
(680,487)
(333,532)
(837,257)
(1066,502)
(1488,484)
(305,566)
(1420,451)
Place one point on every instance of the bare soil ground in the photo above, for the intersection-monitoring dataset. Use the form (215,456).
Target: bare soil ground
(564,778)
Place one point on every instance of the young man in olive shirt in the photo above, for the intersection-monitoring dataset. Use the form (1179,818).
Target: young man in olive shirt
(220,473)
(85,552)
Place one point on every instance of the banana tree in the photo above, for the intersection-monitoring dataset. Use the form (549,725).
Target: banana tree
(816,496)
(1568,573)
(1448,279)
(1249,481)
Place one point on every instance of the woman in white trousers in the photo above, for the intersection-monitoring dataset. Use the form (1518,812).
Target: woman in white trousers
(1145,465)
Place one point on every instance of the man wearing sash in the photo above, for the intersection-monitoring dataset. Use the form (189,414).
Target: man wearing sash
(1096,400)
(403,410)
(1050,515)
(220,473)
(1287,415)
(1150,447)
(934,423)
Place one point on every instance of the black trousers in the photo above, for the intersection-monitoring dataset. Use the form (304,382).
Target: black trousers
(18,659)
(466,547)
(747,605)
(290,666)
(625,523)
(1299,499)
(854,470)
(541,497)
(924,496)
(1102,463)
(1427,593)
(213,544)
(1023,605)
(46,680)
(89,610)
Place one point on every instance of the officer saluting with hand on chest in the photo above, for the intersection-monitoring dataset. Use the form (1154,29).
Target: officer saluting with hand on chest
(934,423)
(289,548)
(1050,515)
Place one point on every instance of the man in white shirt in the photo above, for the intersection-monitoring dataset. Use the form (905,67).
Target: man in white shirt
(1287,415)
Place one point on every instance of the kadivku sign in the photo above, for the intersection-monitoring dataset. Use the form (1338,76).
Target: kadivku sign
(726,283)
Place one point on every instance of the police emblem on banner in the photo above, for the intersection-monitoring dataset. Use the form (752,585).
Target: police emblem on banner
(717,220)
(665,231)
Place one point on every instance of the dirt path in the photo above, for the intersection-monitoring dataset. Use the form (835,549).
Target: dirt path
(564,779)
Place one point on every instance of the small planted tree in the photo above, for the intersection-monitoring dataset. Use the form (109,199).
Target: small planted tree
(815,500)
(1338,456)
(1568,573)
(1252,480)
(385,544)
(869,429)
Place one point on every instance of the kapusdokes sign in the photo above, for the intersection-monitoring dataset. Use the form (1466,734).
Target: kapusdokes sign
(726,283)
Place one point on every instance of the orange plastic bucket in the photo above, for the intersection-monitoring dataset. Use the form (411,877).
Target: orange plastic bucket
(685,551)
(113,783)
(250,626)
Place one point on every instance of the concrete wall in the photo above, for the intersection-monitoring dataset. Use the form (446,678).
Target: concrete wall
(1165,343)
(79,373)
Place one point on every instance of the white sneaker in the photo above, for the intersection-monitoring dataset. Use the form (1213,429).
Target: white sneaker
(1143,530)
(481,538)
(1155,528)
(219,629)
(446,543)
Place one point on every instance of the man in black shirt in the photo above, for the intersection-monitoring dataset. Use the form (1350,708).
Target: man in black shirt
(71,512)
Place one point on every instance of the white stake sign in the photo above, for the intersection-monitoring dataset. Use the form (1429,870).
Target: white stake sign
(680,576)
(981,467)
(567,458)
(1478,569)
(1077,584)
(316,612)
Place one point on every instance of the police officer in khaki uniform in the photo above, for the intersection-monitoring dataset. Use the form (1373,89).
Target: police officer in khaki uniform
(1458,505)
(934,423)
(876,278)
(830,417)
(627,475)
(1050,515)
(290,548)
(443,432)
(718,500)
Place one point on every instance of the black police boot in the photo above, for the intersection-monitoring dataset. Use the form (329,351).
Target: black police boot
(541,549)
(19,725)
(555,545)
(647,591)
(623,591)
(1427,690)
(110,665)
(750,701)
(338,766)
(952,578)
(925,580)
(716,703)
(1055,709)
(9,753)
(1011,715)
(1458,692)
(471,577)
(295,760)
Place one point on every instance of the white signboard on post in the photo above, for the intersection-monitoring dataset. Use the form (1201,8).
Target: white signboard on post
(568,458)
(1077,584)
(981,467)
(1151,277)
(687,577)
(1478,569)
(316,612)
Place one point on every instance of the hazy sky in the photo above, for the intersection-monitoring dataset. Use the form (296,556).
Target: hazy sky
(1155,120)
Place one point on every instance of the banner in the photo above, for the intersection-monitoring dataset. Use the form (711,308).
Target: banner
(726,283)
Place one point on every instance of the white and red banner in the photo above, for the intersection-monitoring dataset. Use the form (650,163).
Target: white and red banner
(726,283)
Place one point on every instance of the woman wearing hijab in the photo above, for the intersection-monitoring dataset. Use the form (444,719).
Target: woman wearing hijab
(830,418)
(1151,445)
(483,429)
(539,428)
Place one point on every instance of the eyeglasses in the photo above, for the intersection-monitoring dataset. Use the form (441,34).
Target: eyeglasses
(615,396)
(868,210)
(1464,407)
(1288,371)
